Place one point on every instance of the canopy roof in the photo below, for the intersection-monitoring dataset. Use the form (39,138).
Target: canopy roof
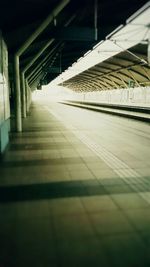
(73,32)
(119,61)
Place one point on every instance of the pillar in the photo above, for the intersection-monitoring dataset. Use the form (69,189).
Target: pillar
(17,94)
(23,95)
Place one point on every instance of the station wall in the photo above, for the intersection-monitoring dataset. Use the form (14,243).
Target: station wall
(4,96)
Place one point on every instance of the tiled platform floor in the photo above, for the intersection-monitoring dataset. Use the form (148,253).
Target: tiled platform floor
(63,205)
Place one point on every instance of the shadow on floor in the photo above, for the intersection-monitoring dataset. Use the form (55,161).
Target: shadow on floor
(67,189)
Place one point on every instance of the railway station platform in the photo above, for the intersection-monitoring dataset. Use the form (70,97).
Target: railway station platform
(75,173)
(75,190)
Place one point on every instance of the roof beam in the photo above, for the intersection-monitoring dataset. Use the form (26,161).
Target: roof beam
(44,60)
(42,26)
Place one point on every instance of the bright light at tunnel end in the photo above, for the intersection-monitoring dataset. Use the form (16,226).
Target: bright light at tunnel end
(52,93)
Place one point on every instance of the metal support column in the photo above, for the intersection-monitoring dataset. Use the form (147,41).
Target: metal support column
(36,81)
(35,76)
(17,94)
(40,64)
(38,55)
(23,95)
(26,86)
(28,102)
(43,61)
(21,50)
